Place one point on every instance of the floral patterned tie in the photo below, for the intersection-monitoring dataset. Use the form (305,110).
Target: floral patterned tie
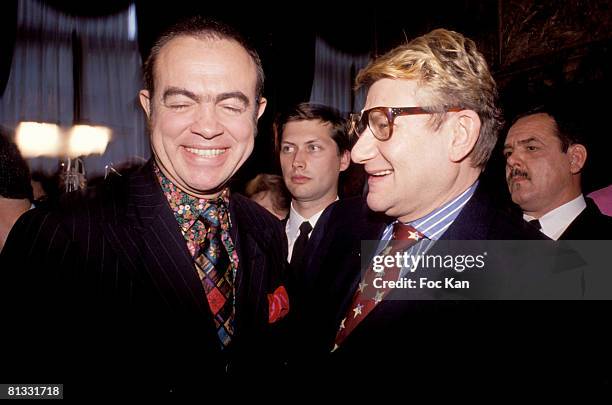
(215,269)
(206,224)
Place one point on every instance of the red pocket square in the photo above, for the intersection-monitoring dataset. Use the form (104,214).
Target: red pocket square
(278,304)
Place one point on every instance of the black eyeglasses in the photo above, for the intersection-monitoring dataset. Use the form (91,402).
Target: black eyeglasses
(380,119)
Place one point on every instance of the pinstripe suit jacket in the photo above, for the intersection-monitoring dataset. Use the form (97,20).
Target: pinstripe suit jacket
(114,263)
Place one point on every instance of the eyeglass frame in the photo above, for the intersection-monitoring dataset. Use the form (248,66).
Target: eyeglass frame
(391,113)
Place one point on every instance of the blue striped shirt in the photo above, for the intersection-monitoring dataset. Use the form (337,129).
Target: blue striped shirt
(432,225)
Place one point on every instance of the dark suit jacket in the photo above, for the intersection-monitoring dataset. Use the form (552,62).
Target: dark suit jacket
(434,342)
(113,267)
(591,224)
(301,279)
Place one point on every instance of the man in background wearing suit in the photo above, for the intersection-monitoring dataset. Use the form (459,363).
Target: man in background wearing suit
(194,271)
(545,157)
(314,148)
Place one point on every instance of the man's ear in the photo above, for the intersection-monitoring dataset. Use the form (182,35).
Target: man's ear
(466,128)
(145,102)
(262,106)
(345,160)
(577,154)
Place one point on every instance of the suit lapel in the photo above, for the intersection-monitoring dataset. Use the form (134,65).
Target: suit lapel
(585,224)
(147,240)
(319,230)
(251,241)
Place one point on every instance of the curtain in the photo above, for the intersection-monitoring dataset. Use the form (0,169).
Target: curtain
(110,83)
(41,85)
(334,78)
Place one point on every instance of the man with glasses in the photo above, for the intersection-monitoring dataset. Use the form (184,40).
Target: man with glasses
(426,132)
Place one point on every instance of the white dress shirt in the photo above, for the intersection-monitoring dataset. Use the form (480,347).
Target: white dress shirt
(555,222)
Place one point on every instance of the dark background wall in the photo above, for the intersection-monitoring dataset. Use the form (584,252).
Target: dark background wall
(536,49)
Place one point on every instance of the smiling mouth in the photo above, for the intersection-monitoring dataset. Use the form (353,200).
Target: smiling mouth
(206,152)
(381,173)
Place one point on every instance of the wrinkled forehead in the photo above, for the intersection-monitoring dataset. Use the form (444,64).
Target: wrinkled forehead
(539,126)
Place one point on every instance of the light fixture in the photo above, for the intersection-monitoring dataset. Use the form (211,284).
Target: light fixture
(36,139)
(87,140)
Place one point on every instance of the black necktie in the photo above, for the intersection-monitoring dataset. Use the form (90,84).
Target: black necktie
(300,244)
(536,224)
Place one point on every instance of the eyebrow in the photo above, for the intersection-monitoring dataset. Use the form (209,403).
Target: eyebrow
(306,143)
(233,94)
(528,140)
(523,142)
(178,91)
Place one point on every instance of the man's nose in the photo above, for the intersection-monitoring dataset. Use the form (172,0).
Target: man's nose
(299,159)
(365,148)
(206,123)
(513,159)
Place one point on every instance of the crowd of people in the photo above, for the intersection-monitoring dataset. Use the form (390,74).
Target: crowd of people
(166,270)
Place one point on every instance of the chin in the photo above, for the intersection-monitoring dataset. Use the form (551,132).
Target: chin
(205,188)
(376,205)
(301,194)
(520,199)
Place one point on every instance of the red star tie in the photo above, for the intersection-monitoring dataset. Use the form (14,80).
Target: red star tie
(367,296)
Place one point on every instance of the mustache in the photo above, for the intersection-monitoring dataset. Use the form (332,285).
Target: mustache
(516,172)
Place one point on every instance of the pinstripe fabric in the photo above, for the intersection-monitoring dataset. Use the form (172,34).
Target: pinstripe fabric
(119,250)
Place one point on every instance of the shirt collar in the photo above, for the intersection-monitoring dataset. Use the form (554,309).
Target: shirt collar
(436,222)
(556,221)
(295,219)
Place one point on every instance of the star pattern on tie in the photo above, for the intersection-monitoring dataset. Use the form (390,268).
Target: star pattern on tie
(379,296)
(357,310)
(366,296)
(414,235)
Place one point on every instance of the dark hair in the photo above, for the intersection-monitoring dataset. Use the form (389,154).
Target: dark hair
(310,111)
(14,171)
(201,28)
(571,126)
(270,183)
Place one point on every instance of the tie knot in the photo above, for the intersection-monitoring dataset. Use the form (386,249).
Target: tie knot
(406,232)
(305,228)
(536,224)
(214,212)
